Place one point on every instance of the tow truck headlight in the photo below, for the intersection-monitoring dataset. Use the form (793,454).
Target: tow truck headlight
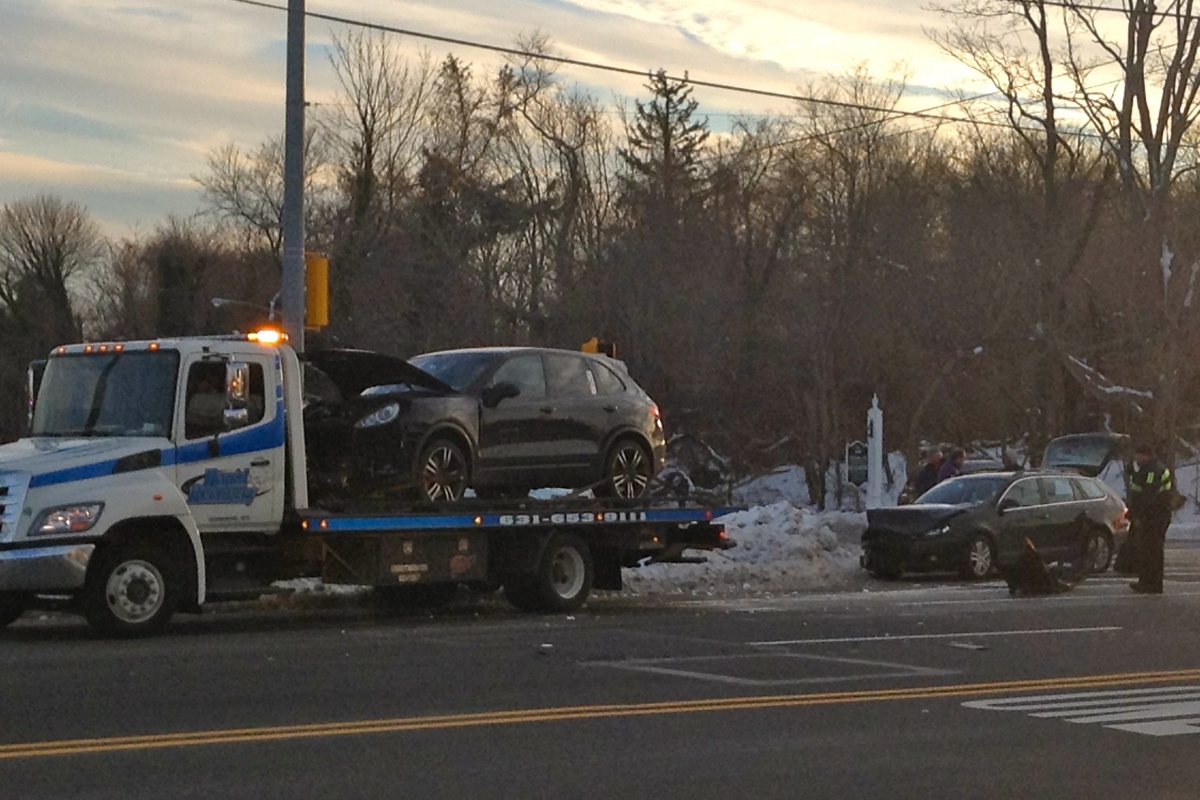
(70,519)
(938,531)
(380,416)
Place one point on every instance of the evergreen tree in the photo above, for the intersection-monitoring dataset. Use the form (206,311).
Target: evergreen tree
(665,143)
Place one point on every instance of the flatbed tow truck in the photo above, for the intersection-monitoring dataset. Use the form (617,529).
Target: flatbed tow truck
(116,508)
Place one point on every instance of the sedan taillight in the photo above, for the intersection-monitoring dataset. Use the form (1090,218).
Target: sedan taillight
(1121,523)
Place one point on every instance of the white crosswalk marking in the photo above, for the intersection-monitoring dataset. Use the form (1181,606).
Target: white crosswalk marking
(1161,711)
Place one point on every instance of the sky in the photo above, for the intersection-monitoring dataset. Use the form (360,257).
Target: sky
(115,104)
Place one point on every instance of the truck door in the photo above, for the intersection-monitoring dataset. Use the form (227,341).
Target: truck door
(231,466)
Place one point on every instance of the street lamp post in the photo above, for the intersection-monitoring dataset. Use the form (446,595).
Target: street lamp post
(221,302)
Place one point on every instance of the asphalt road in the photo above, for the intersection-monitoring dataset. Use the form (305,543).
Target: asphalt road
(929,689)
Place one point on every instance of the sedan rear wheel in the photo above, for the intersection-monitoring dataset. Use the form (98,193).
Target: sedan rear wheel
(1099,553)
(441,472)
(627,470)
(979,559)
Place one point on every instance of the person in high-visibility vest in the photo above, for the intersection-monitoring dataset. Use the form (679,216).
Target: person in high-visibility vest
(1150,493)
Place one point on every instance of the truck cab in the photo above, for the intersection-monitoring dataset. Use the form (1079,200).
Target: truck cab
(145,446)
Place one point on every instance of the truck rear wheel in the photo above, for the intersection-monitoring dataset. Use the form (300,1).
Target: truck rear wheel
(130,591)
(12,606)
(563,579)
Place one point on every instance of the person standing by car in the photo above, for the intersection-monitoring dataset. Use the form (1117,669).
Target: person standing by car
(953,465)
(1150,494)
(927,476)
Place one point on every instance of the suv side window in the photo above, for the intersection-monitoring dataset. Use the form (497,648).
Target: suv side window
(607,382)
(1057,490)
(526,373)
(568,376)
(1024,493)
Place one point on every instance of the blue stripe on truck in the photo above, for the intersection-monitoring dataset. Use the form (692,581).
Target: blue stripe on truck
(521,519)
(251,440)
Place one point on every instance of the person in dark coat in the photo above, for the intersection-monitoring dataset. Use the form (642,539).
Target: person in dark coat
(927,476)
(953,465)
(1151,490)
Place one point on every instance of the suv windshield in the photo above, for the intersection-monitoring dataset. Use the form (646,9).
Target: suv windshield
(965,491)
(457,370)
(123,394)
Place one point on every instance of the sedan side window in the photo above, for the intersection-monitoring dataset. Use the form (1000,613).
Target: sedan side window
(1024,493)
(526,373)
(1057,490)
(1088,489)
(568,376)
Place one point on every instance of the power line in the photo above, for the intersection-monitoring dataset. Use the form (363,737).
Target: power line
(574,62)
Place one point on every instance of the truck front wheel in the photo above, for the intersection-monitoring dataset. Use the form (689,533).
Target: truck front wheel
(12,606)
(130,591)
(563,579)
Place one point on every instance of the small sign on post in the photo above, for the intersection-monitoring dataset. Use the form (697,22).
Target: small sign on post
(856,463)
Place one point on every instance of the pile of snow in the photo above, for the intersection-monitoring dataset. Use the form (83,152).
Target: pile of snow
(788,484)
(780,549)
(1186,525)
(783,485)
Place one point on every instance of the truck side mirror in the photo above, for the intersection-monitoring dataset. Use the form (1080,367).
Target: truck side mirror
(33,382)
(492,395)
(237,395)
(236,418)
(237,384)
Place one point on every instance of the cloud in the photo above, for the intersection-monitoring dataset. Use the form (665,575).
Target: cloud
(119,101)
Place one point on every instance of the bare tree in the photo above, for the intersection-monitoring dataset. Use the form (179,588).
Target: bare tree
(1015,45)
(245,190)
(45,245)
(1145,120)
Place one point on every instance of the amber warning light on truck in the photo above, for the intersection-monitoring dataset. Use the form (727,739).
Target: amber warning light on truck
(267,336)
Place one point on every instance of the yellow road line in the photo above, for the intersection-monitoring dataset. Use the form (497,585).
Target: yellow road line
(564,713)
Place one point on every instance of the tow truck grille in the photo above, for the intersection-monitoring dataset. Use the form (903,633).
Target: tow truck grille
(12,496)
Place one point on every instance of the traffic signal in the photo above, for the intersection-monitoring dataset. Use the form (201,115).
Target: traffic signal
(596,345)
(316,291)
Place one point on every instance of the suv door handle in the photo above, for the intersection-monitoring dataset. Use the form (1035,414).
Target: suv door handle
(260,462)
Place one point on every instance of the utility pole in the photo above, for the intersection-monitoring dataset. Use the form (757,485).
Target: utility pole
(293,180)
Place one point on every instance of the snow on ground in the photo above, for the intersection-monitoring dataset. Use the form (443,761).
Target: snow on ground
(780,549)
(314,586)
(1186,526)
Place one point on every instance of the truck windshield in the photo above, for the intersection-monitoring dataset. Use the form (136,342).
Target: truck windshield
(123,394)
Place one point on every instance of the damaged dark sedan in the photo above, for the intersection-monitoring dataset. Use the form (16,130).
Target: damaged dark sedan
(974,524)
(501,421)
